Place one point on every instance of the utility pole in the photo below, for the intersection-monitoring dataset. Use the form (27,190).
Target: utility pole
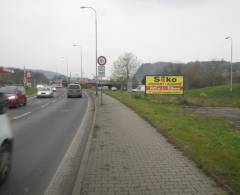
(96,42)
(231,64)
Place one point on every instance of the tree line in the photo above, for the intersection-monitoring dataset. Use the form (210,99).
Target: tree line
(17,77)
(196,74)
(203,74)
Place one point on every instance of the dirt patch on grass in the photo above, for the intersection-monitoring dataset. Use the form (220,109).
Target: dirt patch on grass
(231,114)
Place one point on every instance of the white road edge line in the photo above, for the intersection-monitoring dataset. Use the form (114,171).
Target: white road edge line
(21,116)
(64,178)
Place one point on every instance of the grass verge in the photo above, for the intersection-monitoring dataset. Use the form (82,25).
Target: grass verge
(31,91)
(214,144)
(214,96)
(217,96)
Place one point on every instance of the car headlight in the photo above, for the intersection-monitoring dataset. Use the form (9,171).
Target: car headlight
(13,97)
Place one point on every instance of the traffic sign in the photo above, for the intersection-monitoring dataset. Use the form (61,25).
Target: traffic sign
(102,60)
(101,71)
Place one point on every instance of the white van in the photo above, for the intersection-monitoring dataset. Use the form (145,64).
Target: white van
(6,142)
(140,88)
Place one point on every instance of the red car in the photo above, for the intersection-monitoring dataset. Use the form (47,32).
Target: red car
(15,95)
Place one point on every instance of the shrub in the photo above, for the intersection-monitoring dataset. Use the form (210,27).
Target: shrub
(137,96)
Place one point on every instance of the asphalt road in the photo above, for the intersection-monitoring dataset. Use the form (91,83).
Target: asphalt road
(43,130)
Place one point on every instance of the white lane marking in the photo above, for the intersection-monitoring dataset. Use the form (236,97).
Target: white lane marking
(54,101)
(45,105)
(21,116)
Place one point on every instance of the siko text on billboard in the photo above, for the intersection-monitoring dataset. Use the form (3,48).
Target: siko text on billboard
(172,85)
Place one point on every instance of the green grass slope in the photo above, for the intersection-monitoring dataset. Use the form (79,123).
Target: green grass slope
(222,91)
(214,96)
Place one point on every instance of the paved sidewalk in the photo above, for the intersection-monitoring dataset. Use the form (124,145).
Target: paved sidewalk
(128,156)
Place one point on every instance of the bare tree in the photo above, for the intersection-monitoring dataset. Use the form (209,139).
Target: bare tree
(124,68)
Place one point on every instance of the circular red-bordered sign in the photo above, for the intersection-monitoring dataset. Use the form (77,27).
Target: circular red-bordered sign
(102,60)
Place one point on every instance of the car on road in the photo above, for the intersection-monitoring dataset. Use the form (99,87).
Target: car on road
(39,86)
(45,92)
(103,88)
(54,88)
(15,95)
(6,141)
(140,88)
(114,88)
(74,90)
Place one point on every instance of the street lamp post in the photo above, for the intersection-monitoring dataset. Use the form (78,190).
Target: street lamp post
(66,60)
(76,45)
(231,69)
(95,13)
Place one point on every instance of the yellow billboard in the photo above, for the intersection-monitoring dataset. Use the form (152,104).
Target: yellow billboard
(164,85)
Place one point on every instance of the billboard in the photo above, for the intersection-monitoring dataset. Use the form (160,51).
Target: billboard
(27,80)
(6,70)
(172,85)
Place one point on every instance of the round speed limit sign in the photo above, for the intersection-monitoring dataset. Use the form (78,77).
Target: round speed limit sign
(102,60)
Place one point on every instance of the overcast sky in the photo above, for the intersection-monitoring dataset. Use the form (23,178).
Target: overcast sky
(37,33)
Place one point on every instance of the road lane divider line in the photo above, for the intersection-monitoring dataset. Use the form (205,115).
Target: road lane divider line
(45,105)
(64,179)
(21,116)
